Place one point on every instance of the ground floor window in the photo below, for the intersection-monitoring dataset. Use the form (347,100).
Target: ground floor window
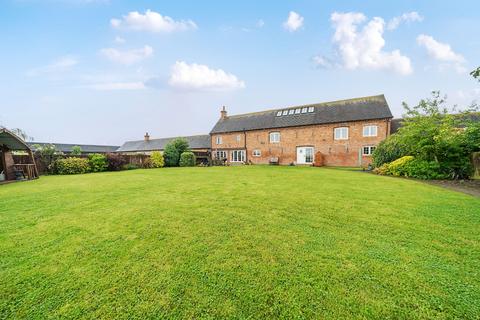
(220,155)
(256,153)
(238,156)
(368,150)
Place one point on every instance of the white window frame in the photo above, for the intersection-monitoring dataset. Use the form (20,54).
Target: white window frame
(291,111)
(257,153)
(285,112)
(274,137)
(311,109)
(340,133)
(369,149)
(279,113)
(370,131)
(238,138)
(237,156)
(218,140)
(304,110)
(298,110)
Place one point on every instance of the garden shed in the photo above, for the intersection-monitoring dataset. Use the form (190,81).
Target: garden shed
(9,170)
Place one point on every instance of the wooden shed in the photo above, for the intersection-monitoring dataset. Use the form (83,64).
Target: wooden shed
(9,170)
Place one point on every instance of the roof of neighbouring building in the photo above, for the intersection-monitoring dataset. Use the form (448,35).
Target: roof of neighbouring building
(195,142)
(67,147)
(366,108)
(395,125)
(11,140)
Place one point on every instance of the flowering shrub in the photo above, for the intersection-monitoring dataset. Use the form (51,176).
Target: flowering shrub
(71,166)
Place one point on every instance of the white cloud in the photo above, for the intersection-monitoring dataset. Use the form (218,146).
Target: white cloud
(293,22)
(109,86)
(323,62)
(60,65)
(127,57)
(442,52)
(119,40)
(363,49)
(151,21)
(260,23)
(406,17)
(201,77)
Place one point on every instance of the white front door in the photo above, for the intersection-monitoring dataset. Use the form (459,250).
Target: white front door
(304,155)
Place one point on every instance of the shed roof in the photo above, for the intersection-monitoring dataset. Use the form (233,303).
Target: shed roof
(12,141)
(67,147)
(195,142)
(365,108)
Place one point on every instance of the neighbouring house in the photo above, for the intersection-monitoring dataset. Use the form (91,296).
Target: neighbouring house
(199,145)
(342,133)
(66,148)
(9,170)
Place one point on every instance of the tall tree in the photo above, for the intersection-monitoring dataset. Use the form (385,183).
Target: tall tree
(476,73)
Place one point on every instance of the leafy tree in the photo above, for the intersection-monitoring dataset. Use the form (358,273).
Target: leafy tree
(187,159)
(76,151)
(173,150)
(98,162)
(48,154)
(476,73)
(156,159)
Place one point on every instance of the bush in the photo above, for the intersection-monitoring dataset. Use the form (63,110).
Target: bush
(115,162)
(187,159)
(48,154)
(173,150)
(97,162)
(71,166)
(425,170)
(130,166)
(398,167)
(156,159)
(388,150)
(76,151)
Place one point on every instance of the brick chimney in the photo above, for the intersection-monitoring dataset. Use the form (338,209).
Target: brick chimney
(223,113)
(146,137)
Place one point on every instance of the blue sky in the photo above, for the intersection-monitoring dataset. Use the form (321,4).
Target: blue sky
(103,72)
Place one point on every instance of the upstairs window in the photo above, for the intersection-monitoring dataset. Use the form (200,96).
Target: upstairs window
(238,138)
(218,140)
(370,131)
(274,137)
(341,133)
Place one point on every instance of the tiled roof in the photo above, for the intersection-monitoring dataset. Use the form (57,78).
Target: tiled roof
(366,108)
(195,142)
(67,147)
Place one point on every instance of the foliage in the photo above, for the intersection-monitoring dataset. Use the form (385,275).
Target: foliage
(476,73)
(48,154)
(71,166)
(98,162)
(147,163)
(76,151)
(230,243)
(388,150)
(115,161)
(433,132)
(173,150)
(130,166)
(408,166)
(156,159)
(397,167)
(187,159)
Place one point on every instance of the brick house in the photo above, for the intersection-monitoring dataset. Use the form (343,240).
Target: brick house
(341,133)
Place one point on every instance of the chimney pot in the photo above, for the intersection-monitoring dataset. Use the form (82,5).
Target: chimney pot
(223,113)
(146,137)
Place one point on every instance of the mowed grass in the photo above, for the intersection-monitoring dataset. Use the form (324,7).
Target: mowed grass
(237,242)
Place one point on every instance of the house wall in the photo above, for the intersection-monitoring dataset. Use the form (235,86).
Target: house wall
(320,137)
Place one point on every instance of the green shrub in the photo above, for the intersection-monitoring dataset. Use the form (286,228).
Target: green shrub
(398,167)
(156,159)
(382,170)
(98,162)
(76,151)
(130,166)
(71,166)
(187,159)
(173,150)
(388,150)
(422,169)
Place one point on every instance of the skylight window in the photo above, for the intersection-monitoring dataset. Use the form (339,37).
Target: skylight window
(304,110)
(279,113)
(285,112)
(291,111)
(297,111)
(311,109)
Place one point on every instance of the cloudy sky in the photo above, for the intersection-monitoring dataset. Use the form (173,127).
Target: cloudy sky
(106,71)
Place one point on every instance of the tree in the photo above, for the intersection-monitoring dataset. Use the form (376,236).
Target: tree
(173,150)
(156,159)
(476,73)
(47,154)
(76,151)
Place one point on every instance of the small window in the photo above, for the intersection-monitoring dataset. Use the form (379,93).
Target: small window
(341,133)
(239,138)
(256,153)
(311,109)
(370,131)
(274,137)
(297,111)
(279,113)
(368,150)
(219,140)
(291,111)
(304,110)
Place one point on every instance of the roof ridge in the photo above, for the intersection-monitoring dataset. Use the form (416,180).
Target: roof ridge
(151,139)
(74,144)
(306,105)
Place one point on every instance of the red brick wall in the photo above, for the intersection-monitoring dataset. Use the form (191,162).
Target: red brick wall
(320,137)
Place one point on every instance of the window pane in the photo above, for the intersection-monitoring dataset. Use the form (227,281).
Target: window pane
(279,113)
(297,111)
(291,111)
(304,109)
(310,109)
(285,112)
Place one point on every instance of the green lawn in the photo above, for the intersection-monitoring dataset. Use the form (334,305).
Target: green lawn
(237,242)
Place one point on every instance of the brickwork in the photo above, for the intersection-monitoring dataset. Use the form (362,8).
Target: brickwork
(347,152)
